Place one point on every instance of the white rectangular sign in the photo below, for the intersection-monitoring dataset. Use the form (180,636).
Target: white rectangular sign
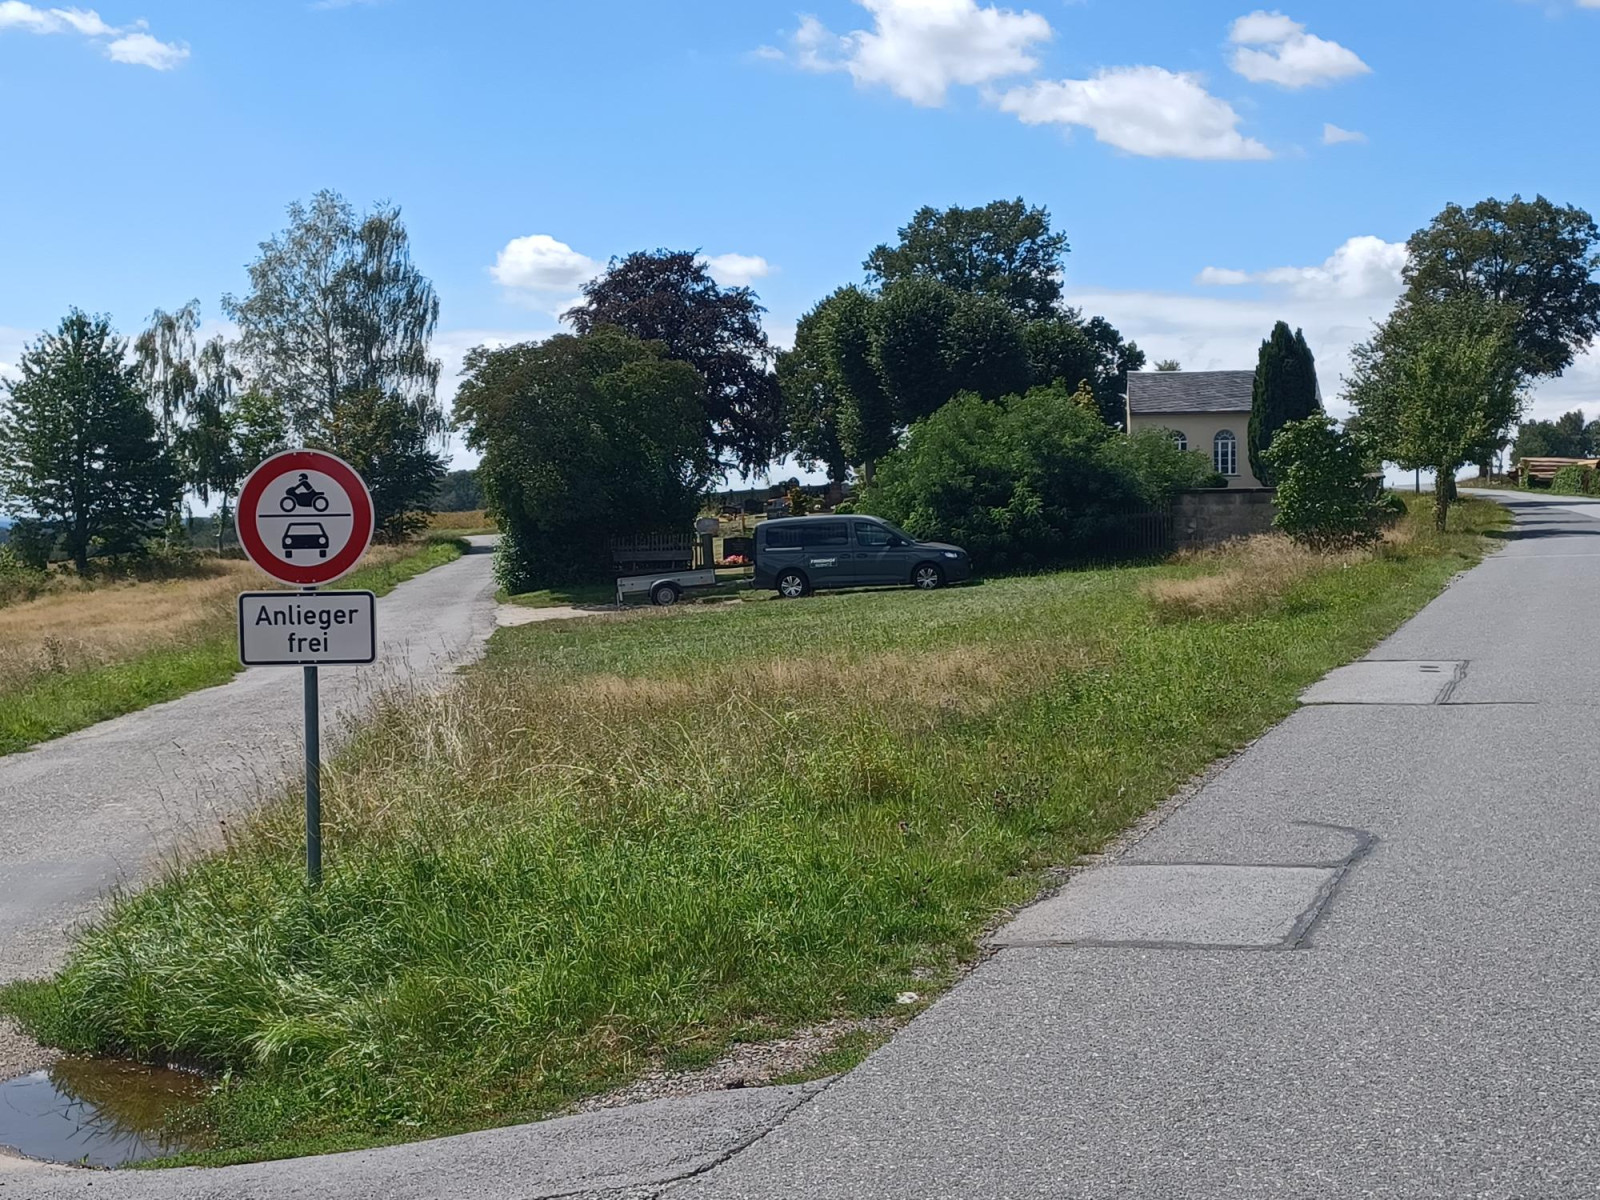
(287,629)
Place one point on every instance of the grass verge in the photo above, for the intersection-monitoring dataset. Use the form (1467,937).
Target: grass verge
(55,695)
(630,841)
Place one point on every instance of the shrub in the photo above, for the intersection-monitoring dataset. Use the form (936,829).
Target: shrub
(1027,481)
(584,439)
(32,542)
(844,507)
(1323,496)
(1573,480)
(19,579)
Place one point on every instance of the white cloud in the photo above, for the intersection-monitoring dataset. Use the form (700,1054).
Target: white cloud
(737,270)
(1146,111)
(142,50)
(919,49)
(1272,48)
(16,15)
(544,272)
(130,44)
(540,263)
(1332,135)
(1362,268)
(84,21)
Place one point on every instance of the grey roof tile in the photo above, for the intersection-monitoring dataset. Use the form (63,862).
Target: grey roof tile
(1189,391)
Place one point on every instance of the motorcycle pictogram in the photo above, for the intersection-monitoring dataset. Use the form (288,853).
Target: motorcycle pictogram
(303,495)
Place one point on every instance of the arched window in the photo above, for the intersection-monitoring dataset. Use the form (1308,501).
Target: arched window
(1179,439)
(1225,452)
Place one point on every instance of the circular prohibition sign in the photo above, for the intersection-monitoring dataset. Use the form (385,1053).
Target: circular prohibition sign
(305,517)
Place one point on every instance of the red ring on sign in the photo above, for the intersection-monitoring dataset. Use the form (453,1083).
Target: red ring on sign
(289,463)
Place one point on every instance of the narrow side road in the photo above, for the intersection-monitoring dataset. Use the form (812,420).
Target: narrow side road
(87,811)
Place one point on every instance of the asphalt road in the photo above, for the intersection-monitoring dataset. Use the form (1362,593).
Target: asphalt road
(90,810)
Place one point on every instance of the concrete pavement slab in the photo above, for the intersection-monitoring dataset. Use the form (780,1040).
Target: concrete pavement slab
(1186,904)
(1386,682)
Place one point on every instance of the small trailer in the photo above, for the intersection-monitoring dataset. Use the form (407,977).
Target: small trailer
(665,588)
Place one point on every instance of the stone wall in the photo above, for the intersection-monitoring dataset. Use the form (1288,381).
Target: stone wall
(1209,516)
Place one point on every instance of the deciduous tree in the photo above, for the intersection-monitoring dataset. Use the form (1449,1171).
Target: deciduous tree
(1437,384)
(811,395)
(377,433)
(913,317)
(337,306)
(984,349)
(1539,258)
(867,425)
(1005,250)
(668,296)
(337,309)
(1568,436)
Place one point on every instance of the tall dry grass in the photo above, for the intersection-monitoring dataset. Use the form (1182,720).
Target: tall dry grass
(92,626)
(78,624)
(1240,577)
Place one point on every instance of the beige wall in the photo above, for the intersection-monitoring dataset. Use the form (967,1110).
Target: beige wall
(1200,429)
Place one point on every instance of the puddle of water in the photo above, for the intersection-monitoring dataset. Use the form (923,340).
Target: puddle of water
(98,1111)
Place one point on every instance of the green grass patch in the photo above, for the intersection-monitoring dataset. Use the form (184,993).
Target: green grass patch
(577,595)
(625,842)
(54,704)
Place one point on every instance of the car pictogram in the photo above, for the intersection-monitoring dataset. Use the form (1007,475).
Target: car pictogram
(305,535)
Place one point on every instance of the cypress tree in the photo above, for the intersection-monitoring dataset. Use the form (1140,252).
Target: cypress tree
(1285,390)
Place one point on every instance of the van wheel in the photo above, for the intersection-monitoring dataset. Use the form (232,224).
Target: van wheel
(665,595)
(792,585)
(927,577)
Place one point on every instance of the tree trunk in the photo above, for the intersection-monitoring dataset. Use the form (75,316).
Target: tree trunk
(1443,493)
(869,470)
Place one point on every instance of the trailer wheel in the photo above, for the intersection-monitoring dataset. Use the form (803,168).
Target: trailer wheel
(664,595)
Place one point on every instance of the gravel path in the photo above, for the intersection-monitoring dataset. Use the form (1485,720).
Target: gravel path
(97,808)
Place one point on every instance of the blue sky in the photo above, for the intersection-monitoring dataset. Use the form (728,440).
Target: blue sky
(1184,147)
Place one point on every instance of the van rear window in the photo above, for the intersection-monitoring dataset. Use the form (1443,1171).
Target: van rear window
(826,533)
(784,537)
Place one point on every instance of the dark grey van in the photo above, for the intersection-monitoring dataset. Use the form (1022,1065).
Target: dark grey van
(798,555)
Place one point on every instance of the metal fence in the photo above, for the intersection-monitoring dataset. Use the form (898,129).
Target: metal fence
(1132,536)
(656,552)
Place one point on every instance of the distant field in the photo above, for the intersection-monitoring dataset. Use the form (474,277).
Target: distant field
(626,841)
(461,523)
(81,654)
